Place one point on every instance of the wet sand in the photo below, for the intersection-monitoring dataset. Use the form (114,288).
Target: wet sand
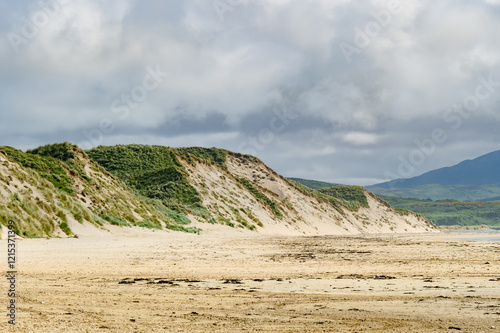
(225,280)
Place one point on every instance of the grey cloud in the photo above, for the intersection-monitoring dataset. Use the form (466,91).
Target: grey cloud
(353,119)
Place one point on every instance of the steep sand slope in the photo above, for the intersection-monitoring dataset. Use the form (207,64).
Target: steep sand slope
(302,214)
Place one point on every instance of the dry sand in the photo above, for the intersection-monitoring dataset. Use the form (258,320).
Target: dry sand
(226,280)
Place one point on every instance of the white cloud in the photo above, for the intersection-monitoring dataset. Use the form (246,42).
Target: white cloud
(360,138)
(264,52)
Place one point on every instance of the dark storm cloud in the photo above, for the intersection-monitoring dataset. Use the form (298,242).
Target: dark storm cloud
(335,90)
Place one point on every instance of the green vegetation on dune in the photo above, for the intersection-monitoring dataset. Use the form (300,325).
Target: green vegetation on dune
(314,184)
(66,153)
(154,172)
(353,197)
(54,171)
(317,194)
(170,185)
(450,212)
(303,188)
(127,161)
(35,217)
(47,167)
(209,155)
(348,196)
(261,197)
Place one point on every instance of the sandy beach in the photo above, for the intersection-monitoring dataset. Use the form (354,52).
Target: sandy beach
(227,280)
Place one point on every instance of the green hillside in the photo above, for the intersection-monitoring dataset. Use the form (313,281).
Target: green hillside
(314,184)
(444,192)
(450,212)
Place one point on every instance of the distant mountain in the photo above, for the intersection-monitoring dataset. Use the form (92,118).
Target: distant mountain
(314,184)
(480,171)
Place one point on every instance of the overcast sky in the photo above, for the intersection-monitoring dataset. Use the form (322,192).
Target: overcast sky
(344,91)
